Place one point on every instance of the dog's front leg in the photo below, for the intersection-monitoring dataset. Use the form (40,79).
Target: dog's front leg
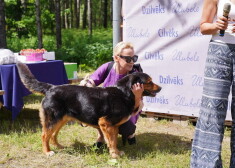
(110,133)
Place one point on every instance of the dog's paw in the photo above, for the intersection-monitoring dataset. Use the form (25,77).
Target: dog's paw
(121,153)
(50,153)
(116,155)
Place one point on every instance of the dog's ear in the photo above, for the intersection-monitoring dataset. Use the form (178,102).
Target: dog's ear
(139,81)
(127,81)
(133,80)
(130,80)
(136,79)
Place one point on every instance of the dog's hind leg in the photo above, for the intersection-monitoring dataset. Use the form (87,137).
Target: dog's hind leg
(46,135)
(110,133)
(50,132)
(54,140)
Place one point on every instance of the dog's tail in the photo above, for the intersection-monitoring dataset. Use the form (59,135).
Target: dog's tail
(30,81)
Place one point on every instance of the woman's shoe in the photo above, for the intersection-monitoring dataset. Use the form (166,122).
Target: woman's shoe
(98,145)
(124,140)
(131,141)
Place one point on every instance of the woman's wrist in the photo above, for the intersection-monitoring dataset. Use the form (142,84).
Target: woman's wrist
(138,98)
(209,28)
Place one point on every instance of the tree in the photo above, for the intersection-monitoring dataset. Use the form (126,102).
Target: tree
(89,17)
(84,17)
(63,14)
(105,14)
(66,14)
(3,41)
(39,26)
(21,16)
(51,8)
(77,13)
(58,24)
(71,13)
(24,4)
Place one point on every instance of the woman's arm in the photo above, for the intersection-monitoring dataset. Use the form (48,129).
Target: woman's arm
(98,76)
(207,26)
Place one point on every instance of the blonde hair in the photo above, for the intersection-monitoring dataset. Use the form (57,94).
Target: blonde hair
(120,46)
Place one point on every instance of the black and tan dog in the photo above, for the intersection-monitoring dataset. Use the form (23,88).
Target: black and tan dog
(102,108)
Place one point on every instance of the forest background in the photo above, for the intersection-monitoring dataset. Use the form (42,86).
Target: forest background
(77,30)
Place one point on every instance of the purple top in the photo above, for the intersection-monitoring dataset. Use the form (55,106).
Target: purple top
(110,80)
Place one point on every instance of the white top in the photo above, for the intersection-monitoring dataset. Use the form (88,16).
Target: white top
(228,37)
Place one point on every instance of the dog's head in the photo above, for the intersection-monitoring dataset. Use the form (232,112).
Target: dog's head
(150,88)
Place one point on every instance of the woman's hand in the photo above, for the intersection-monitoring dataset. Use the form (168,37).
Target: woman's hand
(137,89)
(209,12)
(221,23)
(233,28)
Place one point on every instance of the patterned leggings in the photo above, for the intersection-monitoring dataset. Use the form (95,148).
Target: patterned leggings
(209,132)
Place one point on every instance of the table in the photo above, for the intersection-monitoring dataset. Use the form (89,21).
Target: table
(51,72)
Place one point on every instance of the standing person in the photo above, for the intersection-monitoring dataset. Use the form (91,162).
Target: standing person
(219,78)
(108,74)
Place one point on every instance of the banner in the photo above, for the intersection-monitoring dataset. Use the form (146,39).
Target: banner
(166,37)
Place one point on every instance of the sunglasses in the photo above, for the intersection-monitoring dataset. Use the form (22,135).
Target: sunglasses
(129,58)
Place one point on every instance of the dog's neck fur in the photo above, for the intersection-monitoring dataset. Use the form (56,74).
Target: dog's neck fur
(130,96)
(127,91)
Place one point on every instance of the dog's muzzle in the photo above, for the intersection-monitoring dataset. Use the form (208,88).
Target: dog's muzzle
(151,93)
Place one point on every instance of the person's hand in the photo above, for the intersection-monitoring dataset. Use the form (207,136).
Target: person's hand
(233,28)
(221,23)
(137,89)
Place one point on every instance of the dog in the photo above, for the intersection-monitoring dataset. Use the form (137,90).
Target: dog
(102,108)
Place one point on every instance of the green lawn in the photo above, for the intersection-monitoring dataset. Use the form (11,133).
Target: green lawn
(160,144)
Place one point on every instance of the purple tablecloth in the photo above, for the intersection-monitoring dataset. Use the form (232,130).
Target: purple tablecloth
(51,72)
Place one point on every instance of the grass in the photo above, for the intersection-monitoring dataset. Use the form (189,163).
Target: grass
(160,144)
